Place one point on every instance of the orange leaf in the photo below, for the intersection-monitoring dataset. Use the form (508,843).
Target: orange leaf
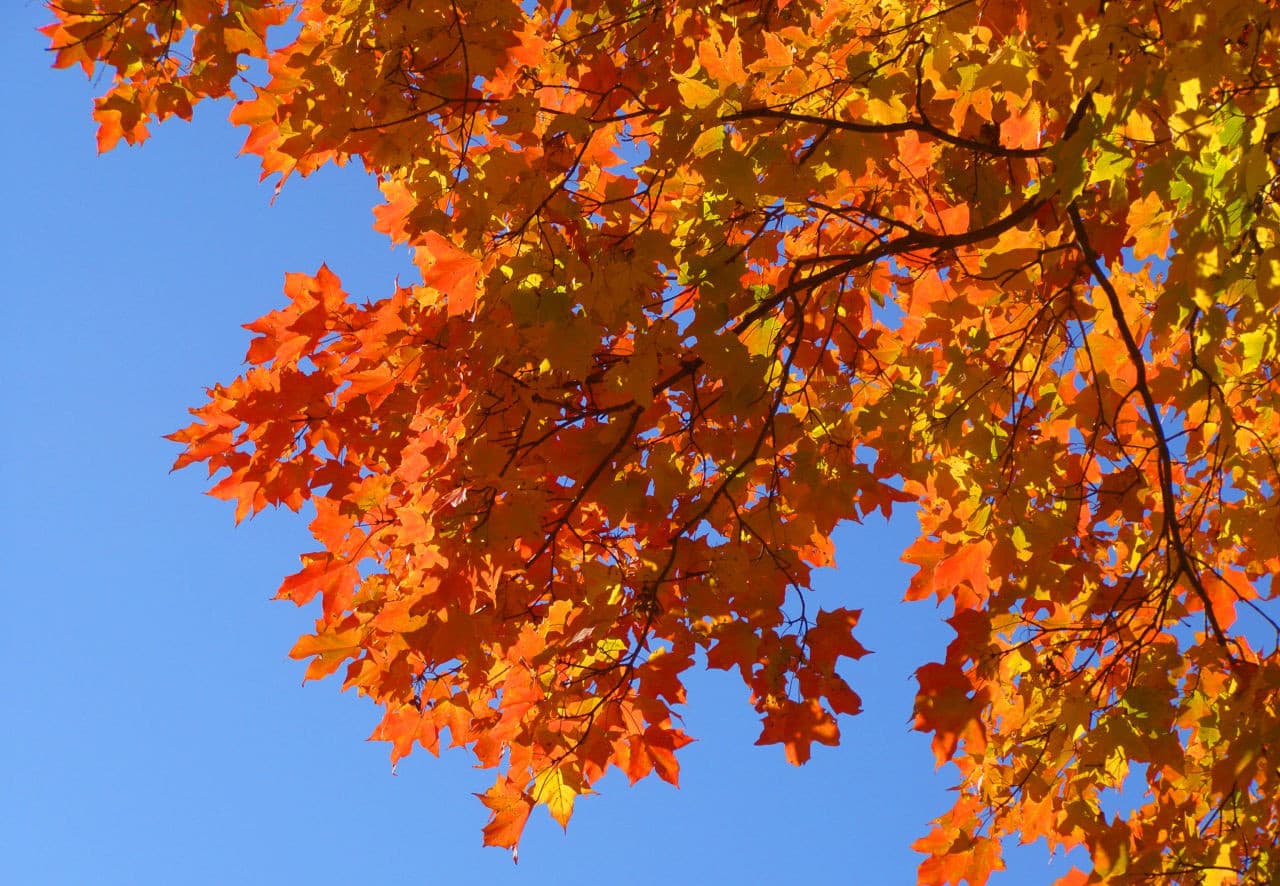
(450,270)
(509,808)
(796,725)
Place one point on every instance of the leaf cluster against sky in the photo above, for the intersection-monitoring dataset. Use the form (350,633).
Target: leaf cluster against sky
(612,427)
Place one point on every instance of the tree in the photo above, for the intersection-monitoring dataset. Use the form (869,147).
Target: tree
(698,282)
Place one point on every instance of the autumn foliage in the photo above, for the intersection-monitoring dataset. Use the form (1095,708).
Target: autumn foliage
(701,281)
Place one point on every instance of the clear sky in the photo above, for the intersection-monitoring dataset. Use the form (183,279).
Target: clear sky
(155,729)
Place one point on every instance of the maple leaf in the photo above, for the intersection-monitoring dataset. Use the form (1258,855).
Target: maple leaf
(948,707)
(509,808)
(831,638)
(796,726)
(558,792)
(450,270)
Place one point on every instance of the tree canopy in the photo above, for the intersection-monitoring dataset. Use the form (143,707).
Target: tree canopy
(699,281)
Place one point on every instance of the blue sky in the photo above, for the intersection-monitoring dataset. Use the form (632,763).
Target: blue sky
(157,731)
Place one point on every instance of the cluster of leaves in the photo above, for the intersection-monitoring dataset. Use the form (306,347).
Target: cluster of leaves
(700,281)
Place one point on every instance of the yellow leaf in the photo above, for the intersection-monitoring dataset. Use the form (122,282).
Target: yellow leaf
(695,93)
(553,790)
(1223,872)
(1258,345)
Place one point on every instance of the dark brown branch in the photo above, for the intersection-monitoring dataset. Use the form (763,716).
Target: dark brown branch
(911,242)
(1168,498)
(923,125)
